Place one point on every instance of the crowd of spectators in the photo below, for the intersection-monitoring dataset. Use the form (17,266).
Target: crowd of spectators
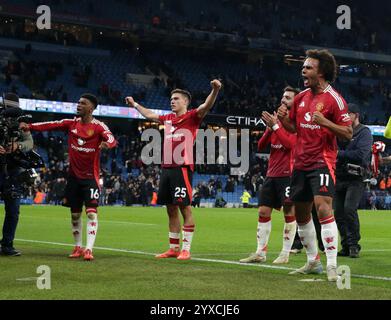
(279,21)
(248,94)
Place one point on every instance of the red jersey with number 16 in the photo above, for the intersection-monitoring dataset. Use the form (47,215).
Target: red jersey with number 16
(83,144)
(317,146)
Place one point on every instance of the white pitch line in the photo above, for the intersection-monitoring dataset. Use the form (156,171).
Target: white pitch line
(104,221)
(28,279)
(202,259)
(127,222)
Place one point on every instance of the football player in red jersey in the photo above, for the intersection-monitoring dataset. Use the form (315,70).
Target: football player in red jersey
(86,137)
(175,189)
(319,115)
(275,190)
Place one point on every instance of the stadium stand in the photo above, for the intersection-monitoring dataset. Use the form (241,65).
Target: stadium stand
(73,58)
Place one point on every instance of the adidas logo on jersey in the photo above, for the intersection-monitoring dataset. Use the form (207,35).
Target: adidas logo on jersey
(323,189)
(74,131)
(302,104)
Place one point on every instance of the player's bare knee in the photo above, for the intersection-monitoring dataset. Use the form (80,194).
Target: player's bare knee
(92,213)
(172,210)
(289,210)
(264,212)
(75,215)
(323,209)
(185,209)
(92,216)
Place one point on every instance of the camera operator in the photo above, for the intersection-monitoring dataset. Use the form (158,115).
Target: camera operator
(13,143)
(353,163)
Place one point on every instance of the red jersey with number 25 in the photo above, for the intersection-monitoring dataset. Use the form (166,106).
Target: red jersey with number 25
(83,144)
(316,146)
(179,137)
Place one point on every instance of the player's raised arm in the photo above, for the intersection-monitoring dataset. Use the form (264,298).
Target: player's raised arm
(204,108)
(47,126)
(147,113)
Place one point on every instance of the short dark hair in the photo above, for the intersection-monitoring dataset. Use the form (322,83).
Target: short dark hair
(291,89)
(327,63)
(184,92)
(91,98)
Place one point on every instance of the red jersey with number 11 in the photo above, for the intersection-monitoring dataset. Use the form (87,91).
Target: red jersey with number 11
(317,146)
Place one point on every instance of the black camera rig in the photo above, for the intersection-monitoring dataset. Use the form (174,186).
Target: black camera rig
(10,117)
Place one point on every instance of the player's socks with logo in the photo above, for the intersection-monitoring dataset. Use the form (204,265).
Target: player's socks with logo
(307,235)
(188,232)
(174,240)
(289,234)
(263,233)
(330,239)
(92,227)
(187,237)
(77,231)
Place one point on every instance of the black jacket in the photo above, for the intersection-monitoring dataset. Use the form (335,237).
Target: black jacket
(357,151)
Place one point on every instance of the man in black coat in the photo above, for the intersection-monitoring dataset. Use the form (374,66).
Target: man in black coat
(353,163)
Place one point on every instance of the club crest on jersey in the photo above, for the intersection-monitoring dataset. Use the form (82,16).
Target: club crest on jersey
(319,106)
(90,132)
(80,142)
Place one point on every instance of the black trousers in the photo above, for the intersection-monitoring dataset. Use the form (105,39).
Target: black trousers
(346,201)
(10,189)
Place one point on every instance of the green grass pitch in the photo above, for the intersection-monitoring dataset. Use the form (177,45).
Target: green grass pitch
(125,267)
